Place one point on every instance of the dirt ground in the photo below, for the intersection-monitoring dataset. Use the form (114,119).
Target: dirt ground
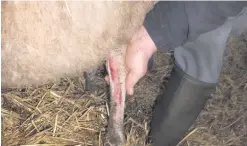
(67,114)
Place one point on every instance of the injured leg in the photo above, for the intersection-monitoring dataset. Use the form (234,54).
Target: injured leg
(116,70)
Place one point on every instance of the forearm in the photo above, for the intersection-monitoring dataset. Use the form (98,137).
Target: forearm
(171,24)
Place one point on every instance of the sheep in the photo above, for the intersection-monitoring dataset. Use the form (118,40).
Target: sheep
(44,41)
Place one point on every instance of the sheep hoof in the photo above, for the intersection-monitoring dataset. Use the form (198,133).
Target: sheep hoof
(114,140)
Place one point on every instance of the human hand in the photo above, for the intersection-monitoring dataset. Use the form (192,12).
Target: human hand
(138,53)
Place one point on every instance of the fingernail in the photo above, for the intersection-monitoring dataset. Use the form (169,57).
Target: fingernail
(131,91)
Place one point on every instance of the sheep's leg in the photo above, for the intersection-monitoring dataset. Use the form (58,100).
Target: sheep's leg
(116,70)
(90,84)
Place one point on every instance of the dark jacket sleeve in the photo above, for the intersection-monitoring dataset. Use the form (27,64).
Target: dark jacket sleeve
(171,24)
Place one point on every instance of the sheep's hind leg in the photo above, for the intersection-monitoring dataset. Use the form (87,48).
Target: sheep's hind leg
(116,70)
(94,80)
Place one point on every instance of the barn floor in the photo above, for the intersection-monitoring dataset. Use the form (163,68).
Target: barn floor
(66,114)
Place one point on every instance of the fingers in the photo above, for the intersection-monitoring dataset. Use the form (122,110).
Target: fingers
(131,79)
(136,63)
(130,56)
(107,79)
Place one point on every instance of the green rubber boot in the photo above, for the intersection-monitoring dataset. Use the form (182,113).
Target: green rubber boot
(177,108)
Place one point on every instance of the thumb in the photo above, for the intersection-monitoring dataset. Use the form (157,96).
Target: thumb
(131,79)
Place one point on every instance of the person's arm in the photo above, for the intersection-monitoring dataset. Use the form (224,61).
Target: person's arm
(171,24)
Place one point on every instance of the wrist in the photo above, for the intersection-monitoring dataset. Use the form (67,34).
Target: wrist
(151,48)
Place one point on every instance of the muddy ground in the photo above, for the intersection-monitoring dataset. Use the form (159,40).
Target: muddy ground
(67,114)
